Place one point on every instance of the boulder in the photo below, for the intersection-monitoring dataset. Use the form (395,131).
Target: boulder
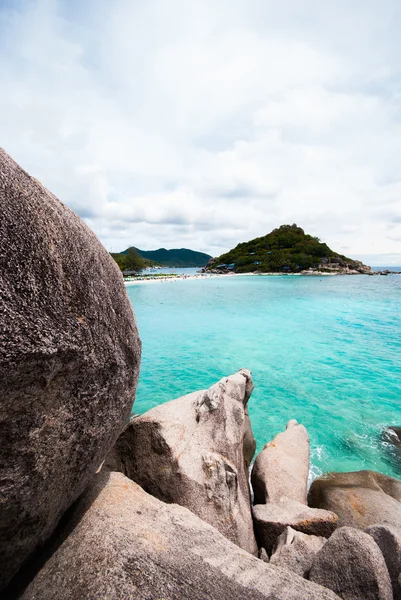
(195,451)
(125,543)
(69,360)
(272,519)
(360,498)
(295,551)
(282,468)
(351,564)
(388,538)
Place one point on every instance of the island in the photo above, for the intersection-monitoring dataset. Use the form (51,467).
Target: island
(287,249)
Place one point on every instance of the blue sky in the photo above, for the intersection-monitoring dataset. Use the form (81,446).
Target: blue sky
(182,123)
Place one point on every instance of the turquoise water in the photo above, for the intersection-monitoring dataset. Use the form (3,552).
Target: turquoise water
(323,350)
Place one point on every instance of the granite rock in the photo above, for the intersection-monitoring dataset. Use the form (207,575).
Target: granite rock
(270,520)
(295,551)
(195,451)
(69,360)
(360,498)
(127,544)
(351,564)
(388,538)
(282,468)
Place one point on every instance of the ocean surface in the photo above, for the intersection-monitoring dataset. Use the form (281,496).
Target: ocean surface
(323,350)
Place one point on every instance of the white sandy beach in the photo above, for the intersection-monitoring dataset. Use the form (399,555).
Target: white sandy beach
(181,277)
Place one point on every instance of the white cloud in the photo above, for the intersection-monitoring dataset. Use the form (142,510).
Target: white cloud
(201,124)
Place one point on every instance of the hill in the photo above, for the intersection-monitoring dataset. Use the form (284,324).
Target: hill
(286,249)
(174,258)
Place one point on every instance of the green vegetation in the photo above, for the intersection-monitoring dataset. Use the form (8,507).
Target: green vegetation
(286,249)
(134,259)
(175,258)
(130,260)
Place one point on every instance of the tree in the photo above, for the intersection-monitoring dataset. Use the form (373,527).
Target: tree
(129,260)
(133,262)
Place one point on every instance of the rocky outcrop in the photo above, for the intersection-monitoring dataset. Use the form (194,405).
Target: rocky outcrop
(360,498)
(296,551)
(280,483)
(127,544)
(273,518)
(195,451)
(351,564)
(69,360)
(388,538)
(282,468)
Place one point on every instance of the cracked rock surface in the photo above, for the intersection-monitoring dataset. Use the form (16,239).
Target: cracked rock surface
(195,451)
(125,544)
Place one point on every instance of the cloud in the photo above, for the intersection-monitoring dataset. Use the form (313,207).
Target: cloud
(203,124)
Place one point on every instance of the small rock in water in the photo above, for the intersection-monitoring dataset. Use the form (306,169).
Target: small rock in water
(393,435)
(390,442)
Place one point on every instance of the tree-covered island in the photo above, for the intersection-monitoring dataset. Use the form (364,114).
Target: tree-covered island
(287,249)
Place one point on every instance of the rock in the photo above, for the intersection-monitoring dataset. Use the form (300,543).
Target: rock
(295,551)
(351,564)
(127,544)
(69,360)
(272,519)
(390,442)
(360,498)
(393,435)
(195,451)
(282,468)
(388,538)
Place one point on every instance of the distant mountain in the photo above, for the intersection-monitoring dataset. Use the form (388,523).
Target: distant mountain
(286,249)
(174,258)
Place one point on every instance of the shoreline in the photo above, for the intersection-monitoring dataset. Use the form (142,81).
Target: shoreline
(202,276)
(161,279)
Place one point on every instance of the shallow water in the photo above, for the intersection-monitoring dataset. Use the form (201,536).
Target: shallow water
(323,350)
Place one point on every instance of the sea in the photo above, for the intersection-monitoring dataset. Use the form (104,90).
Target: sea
(325,351)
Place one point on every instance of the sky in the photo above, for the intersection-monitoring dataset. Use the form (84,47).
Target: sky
(201,124)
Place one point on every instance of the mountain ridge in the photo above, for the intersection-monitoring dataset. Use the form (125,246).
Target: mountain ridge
(176,257)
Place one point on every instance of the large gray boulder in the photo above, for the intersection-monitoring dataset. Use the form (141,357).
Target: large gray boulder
(282,468)
(388,538)
(351,564)
(296,551)
(69,359)
(272,519)
(127,544)
(360,498)
(195,451)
